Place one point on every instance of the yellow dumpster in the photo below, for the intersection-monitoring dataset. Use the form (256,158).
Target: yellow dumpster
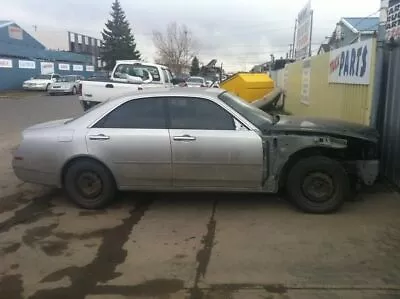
(249,86)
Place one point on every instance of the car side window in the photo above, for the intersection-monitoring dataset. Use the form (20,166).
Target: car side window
(146,113)
(198,114)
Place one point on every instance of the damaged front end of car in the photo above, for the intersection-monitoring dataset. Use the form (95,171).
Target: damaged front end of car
(356,148)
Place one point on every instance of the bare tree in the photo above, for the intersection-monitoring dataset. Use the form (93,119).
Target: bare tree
(175,47)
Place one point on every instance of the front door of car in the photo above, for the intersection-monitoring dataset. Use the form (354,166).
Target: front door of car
(208,150)
(133,141)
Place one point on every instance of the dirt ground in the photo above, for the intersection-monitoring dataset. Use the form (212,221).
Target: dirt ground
(166,245)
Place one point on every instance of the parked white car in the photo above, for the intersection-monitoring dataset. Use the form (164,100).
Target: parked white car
(40,82)
(196,82)
(65,85)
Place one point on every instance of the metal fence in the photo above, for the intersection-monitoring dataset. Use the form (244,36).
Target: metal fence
(390,120)
(350,102)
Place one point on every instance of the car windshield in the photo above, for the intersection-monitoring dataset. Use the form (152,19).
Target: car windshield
(44,77)
(257,117)
(195,80)
(67,79)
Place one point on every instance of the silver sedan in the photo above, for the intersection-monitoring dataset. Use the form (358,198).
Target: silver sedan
(196,140)
(65,85)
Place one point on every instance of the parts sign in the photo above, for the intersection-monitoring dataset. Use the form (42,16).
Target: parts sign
(351,64)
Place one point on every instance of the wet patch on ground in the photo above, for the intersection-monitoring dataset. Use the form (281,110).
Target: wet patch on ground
(84,236)
(54,248)
(11,248)
(92,213)
(39,208)
(102,269)
(204,254)
(152,288)
(12,202)
(11,287)
(36,234)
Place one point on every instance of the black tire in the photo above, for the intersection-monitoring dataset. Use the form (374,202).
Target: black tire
(96,177)
(318,185)
(51,93)
(74,91)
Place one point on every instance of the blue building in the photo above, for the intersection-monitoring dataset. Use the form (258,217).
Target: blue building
(22,57)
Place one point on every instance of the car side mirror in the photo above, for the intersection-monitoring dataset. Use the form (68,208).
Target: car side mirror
(134,79)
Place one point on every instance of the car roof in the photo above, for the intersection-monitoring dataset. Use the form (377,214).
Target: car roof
(174,91)
(140,62)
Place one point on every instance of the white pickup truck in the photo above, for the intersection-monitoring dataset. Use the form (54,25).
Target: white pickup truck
(127,76)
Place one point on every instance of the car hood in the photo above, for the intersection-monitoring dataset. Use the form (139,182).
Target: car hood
(325,126)
(48,124)
(38,81)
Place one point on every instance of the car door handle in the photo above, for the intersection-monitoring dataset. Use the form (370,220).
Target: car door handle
(109,86)
(184,138)
(99,137)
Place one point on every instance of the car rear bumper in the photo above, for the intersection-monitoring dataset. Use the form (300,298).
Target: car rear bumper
(42,88)
(58,90)
(36,177)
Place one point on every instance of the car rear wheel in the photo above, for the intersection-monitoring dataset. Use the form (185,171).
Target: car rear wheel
(89,184)
(318,185)
(74,90)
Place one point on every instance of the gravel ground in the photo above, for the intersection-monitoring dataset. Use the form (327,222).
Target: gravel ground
(166,245)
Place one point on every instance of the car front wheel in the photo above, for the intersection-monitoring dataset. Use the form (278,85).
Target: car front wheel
(89,184)
(318,185)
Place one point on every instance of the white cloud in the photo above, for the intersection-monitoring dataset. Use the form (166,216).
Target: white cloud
(238,33)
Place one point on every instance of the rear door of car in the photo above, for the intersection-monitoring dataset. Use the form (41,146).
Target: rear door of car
(133,140)
(210,148)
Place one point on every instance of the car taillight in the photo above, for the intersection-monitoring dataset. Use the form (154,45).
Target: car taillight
(80,89)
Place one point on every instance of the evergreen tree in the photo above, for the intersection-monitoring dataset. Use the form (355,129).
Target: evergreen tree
(118,40)
(195,68)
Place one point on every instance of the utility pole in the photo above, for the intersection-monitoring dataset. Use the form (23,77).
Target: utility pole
(294,40)
(311,31)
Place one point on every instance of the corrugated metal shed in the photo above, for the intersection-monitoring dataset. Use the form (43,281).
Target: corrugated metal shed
(349,102)
(390,131)
(14,51)
(16,45)
(29,48)
(363,24)
(5,23)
